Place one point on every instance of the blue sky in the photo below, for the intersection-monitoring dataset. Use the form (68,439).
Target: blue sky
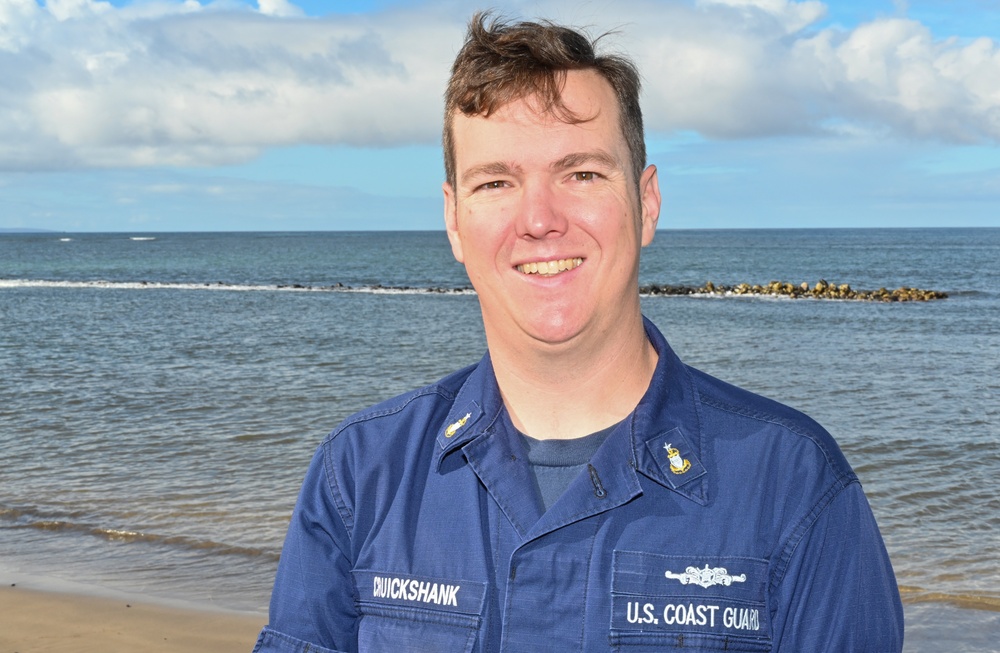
(189,115)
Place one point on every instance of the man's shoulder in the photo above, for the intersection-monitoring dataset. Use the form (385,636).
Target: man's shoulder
(410,413)
(776,428)
(370,452)
(721,395)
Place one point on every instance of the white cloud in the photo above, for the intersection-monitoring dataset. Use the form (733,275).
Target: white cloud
(178,85)
(278,8)
(793,16)
(63,10)
(15,23)
(893,72)
(743,78)
(85,84)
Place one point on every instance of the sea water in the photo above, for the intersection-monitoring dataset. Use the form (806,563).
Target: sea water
(162,394)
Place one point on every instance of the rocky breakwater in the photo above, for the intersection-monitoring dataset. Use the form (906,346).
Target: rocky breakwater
(822,289)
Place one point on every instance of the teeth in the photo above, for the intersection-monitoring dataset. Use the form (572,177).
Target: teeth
(548,268)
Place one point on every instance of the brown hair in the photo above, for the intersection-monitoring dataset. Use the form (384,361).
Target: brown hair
(503,62)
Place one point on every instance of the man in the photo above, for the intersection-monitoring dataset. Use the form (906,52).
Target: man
(580,489)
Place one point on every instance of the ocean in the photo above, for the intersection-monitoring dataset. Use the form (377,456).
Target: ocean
(162,394)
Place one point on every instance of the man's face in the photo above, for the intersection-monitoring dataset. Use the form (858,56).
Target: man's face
(546,217)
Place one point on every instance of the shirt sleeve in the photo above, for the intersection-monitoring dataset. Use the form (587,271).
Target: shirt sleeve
(838,591)
(313,604)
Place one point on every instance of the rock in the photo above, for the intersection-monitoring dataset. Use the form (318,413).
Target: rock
(822,290)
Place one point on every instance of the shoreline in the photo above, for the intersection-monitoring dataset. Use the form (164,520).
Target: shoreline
(37,620)
(44,620)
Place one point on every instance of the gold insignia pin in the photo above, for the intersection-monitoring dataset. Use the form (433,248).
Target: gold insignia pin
(678,465)
(453,428)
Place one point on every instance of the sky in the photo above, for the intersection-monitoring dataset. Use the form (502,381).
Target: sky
(275,115)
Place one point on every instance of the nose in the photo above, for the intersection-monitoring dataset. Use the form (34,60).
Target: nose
(539,213)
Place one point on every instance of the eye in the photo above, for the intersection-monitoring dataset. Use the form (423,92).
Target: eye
(584,176)
(493,185)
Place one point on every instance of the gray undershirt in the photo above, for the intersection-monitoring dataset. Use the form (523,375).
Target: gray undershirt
(555,463)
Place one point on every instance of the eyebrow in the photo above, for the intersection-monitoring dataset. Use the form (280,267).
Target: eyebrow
(581,158)
(492,169)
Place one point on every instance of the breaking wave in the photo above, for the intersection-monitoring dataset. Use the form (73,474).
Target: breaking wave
(28,518)
(158,285)
(973,601)
(653,290)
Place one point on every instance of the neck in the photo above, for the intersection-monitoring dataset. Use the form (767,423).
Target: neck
(577,388)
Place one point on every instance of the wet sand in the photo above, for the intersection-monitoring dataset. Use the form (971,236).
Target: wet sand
(32,621)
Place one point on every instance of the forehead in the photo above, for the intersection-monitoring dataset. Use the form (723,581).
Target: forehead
(525,126)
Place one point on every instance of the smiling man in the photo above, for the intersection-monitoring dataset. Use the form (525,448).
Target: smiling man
(580,489)
(548,215)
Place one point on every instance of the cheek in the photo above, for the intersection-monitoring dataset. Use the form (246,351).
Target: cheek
(487,224)
(482,236)
(611,219)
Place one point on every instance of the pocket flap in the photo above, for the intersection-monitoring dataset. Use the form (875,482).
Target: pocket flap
(693,595)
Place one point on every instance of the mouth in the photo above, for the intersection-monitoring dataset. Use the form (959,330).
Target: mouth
(550,268)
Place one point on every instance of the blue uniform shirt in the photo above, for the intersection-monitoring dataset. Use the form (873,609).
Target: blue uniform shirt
(710,519)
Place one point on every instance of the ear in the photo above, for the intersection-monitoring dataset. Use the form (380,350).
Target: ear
(649,197)
(451,221)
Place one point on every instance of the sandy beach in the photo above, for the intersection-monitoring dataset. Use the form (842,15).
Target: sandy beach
(34,621)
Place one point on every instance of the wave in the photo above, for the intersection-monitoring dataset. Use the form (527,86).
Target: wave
(159,285)
(972,601)
(28,518)
(774,290)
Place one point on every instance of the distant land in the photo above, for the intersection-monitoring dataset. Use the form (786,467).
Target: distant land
(21,230)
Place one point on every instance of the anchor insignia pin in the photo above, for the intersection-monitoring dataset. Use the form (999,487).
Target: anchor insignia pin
(678,465)
(453,428)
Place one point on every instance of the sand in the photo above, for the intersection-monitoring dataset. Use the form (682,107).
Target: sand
(32,621)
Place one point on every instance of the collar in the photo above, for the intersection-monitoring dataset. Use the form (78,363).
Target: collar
(476,408)
(664,429)
(666,426)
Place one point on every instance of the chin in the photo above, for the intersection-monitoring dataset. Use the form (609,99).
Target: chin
(539,325)
(555,332)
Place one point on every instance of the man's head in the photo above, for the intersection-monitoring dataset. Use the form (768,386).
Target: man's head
(502,62)
(547,203)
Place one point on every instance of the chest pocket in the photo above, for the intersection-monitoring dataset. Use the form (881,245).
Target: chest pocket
(692,602)
(402,613)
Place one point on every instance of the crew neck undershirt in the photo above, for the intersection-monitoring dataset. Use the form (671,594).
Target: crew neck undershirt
(555,463)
